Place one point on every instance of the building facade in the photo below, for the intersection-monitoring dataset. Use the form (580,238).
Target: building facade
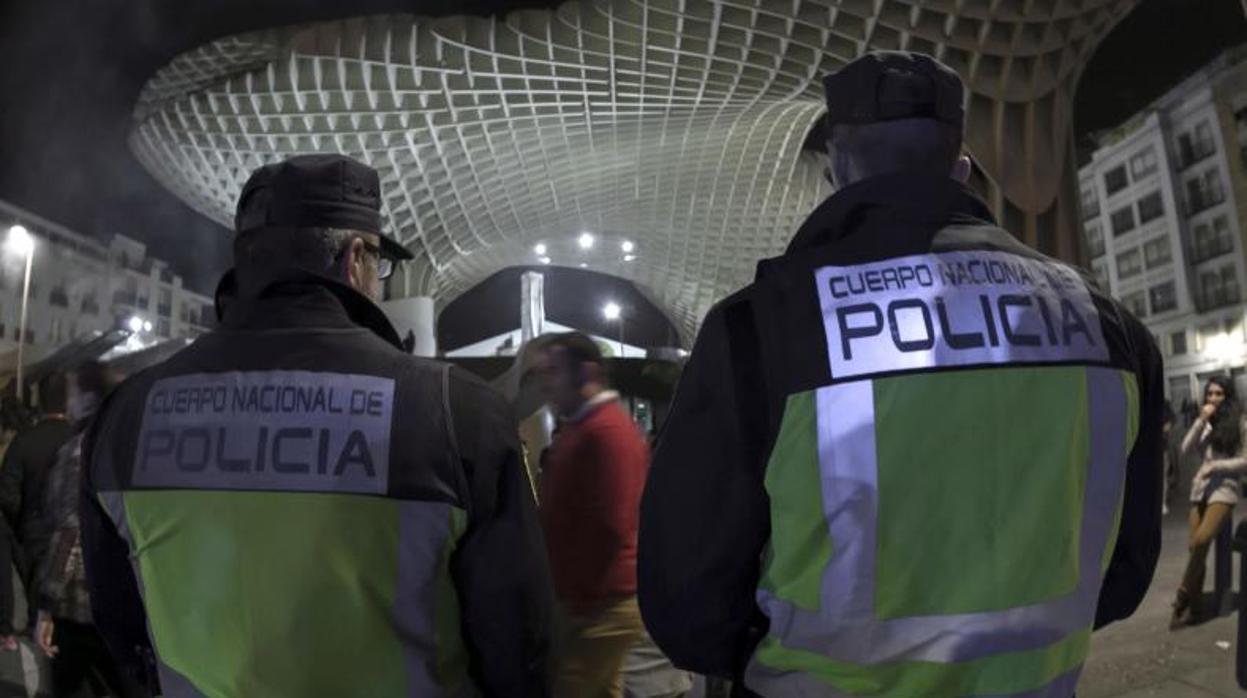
(79,285)
(1164,207)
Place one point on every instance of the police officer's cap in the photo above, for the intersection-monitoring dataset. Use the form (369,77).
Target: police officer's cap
(890,85)
(315,191)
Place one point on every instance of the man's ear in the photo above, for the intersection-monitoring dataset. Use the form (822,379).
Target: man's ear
(355,263)
(961,169)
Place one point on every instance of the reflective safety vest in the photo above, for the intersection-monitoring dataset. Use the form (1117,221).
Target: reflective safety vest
(943,512)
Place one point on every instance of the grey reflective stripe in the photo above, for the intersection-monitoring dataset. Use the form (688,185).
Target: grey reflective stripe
(773,684)
(423,528)
(845,629)
(172,683)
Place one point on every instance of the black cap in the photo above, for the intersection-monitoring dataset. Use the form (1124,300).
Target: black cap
(315,191)
(890,85)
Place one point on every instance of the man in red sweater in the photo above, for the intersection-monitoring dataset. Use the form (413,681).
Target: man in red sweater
(591,496)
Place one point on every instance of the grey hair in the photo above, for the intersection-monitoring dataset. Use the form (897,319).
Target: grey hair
(903,145)
(317,250)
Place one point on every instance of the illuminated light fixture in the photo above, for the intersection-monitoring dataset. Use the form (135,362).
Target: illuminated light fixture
(540,249)
(629,257)
(20,241)
(544,260)
(628,246)
(585,241)
(584,265)
(611,311)
(135,324)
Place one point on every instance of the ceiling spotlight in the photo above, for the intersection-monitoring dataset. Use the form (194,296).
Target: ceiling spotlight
(611,311)
(629,257)
(544,260)
(585,241)
(628,246)
(540,249)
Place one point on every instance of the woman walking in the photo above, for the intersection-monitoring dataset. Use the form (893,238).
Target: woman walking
(1218,434)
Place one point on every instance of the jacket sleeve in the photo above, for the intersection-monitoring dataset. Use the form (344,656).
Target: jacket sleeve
(1138,540)
(62,520)
(11,482)
(499,568)
(116,605)
(705,517)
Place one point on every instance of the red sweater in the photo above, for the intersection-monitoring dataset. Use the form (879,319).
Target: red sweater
(590,506)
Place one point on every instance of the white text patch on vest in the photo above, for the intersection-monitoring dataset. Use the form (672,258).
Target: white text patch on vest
(956,308)
(267,430)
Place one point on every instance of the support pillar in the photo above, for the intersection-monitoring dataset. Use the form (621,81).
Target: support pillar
(415,315)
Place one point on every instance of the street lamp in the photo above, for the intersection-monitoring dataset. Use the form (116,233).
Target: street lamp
(612,312)
(138,324)
(20,242)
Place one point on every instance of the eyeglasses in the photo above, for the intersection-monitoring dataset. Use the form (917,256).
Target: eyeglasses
(385,265)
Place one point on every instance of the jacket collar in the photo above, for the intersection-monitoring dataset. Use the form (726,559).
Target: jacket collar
(590,406)
(903,198)
(296,298)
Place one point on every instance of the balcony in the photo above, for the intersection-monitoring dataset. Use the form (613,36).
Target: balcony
(1203,251)
(1202,202)
(1217,298)
(1190,157)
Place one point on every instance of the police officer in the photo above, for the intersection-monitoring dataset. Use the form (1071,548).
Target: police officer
(310,511)
(914,457)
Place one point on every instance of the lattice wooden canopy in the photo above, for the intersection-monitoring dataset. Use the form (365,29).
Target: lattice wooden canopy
(675,125)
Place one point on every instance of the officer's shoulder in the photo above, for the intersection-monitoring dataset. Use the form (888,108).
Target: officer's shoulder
(459,381)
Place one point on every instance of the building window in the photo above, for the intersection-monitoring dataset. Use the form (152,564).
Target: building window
(1136,303)
(1204,191)
(1116,179)
(1095,240)
(1151,207)
(1143,164)
(1177,343)
(1099,268)
(1122,220)
(162,327)
(1218,288)
(89,305)
(1156,252)
(1129,264)
(1195,145)
(1090,202)
(1163,297)
(58,297)
(1212,240)
(165,307)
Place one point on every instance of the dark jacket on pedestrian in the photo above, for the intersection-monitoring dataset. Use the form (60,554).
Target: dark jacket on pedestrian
(312,511)
(23,493)
(706,518)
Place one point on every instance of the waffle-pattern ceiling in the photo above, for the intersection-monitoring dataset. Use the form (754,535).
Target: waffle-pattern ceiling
(675,125)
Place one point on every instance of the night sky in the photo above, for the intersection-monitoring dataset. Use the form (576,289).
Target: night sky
(71,72)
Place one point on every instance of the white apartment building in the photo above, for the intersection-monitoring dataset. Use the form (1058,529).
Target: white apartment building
(79,285)
(1164,204)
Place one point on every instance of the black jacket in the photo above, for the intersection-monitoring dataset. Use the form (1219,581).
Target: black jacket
(452,440)
(23,490)
(705,517)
